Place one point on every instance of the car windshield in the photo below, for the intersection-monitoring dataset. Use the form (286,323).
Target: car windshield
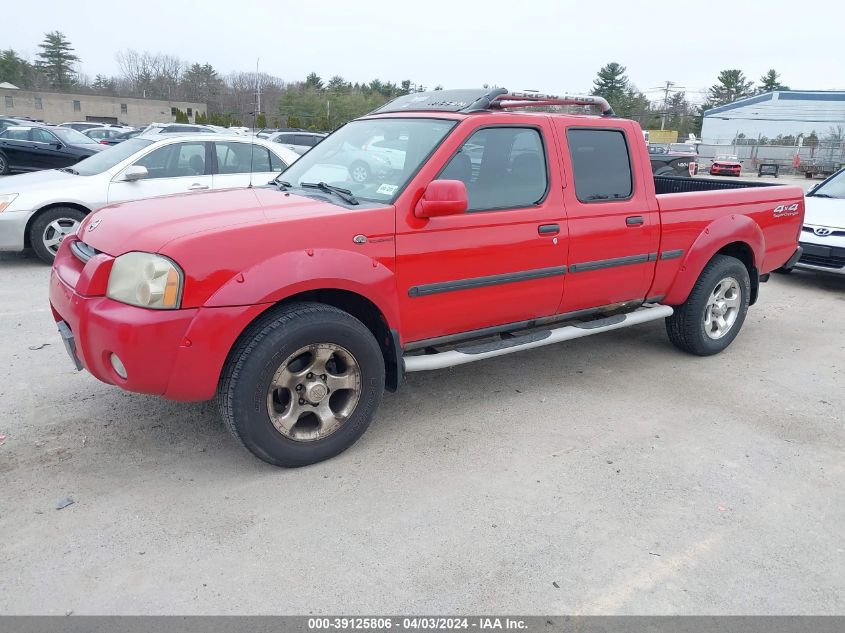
(72,137)
(108,158)
(372,158)
(727,158)
(833,188)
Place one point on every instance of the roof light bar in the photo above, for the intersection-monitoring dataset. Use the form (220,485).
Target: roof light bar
(528,99)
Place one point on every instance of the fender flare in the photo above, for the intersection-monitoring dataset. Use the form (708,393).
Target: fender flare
(722,231)
(291,273)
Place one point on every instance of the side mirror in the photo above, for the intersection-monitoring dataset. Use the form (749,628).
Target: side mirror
(58,144)
(135,172)
(442,197)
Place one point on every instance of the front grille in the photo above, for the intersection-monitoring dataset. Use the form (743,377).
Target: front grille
(82,251)
(835,233)
(825,262)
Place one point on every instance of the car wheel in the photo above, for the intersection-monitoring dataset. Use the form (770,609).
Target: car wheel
(665,171)
(4,164)
(711,317)
(302,384)
(50,228)
(359,172)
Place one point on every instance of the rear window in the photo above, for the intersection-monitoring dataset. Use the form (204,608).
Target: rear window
(601,165)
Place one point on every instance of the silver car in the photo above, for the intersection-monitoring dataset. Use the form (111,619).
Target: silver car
(39,209)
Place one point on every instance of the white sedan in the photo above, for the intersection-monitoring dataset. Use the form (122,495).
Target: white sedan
(823,234)
(39,209)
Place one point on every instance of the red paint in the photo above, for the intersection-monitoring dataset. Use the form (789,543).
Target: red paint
(242,251)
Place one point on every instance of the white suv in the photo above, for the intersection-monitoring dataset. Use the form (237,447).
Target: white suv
(823,234)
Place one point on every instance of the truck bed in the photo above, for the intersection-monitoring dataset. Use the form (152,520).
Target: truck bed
(679,184)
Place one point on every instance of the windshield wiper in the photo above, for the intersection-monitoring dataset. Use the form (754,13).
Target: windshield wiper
(282,184)
(820,195)
(69,170)
(344,194)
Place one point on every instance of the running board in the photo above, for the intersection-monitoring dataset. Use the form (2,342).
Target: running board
(520,342)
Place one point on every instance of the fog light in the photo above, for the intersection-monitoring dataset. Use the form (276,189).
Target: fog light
(118,367)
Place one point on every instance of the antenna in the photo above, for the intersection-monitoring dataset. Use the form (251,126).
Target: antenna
(256,105)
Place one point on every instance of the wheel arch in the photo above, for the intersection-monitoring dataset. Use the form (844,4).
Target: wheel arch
(734,235)
(53,205)
(358,306)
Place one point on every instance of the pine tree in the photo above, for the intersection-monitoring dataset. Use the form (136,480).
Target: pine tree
(612,83)
(731,85)
(56,59)
(771,82)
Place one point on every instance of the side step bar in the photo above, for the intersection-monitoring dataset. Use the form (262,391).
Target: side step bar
(518,343)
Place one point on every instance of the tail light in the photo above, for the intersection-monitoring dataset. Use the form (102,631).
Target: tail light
(104,142)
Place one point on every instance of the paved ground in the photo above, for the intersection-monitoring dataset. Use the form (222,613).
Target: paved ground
(607,475)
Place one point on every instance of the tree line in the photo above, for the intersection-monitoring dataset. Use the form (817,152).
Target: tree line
(244,98)
(239,98)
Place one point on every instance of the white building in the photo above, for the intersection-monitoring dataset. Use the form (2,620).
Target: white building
(783,112)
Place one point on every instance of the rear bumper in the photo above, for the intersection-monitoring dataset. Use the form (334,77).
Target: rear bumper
(178,354)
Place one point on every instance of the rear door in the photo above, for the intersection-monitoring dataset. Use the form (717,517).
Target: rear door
(503,260)
(237,164)
(173,168)
(18,148)
(614,225)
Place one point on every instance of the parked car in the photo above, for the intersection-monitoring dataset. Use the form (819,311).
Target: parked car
(823,234)
(40,210)
(120,137)
(726,165)
(11,121)
(296,304)
(30,148)
(180,128)
(80,126)
(101,134)
(299,142)
(666,162)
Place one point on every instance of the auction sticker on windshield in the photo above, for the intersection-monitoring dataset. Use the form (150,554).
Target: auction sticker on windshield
(387,190)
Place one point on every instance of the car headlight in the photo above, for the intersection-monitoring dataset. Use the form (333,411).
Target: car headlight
(146,280)
(6,199)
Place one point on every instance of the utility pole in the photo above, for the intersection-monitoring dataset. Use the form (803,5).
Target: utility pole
(668,87)
(257,88)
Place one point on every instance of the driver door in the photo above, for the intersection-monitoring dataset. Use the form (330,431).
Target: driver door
(174,168)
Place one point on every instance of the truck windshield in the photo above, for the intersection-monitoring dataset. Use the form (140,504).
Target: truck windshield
(372,158)
(833,188)
(108,158)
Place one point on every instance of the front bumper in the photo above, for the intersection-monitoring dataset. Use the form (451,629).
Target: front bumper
(822,258)
(13,229)
(178,354)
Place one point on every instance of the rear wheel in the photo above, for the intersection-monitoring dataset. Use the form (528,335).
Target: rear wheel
(4,164)
(302,385)
(711,317)
(51,228)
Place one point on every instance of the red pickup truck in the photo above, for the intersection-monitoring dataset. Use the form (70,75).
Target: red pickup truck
(443,228)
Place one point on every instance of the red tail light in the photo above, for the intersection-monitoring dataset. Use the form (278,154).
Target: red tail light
(104,142)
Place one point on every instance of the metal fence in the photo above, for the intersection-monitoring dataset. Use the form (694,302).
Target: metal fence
(825,154)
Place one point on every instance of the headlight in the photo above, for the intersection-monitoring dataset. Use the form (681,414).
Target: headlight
(6,199)
(146,280)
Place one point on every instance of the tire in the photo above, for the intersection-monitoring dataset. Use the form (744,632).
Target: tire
(4,164)
(271,353)
(359,172)
(688,327)
(50,228)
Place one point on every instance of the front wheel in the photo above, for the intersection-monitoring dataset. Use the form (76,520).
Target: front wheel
(711,317)
(302,385)
(50,228)
(4,164)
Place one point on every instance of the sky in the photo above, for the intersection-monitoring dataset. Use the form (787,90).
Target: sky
(552,46)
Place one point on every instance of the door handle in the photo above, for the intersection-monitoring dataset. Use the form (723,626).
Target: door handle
(634,220)
(548,229)
(197,187)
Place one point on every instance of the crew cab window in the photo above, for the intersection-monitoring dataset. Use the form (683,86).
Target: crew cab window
(502,168)
(601,165)
(234,158)
(175,160)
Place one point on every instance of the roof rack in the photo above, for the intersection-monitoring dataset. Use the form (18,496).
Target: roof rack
(467,101)
(528,99)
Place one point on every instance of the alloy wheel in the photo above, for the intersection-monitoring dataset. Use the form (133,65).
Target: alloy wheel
(722,308)
(57,231)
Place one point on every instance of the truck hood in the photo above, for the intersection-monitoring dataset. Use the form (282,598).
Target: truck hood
(149,225)
(828,212)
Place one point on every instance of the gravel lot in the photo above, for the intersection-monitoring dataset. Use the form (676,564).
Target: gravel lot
(608,475)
